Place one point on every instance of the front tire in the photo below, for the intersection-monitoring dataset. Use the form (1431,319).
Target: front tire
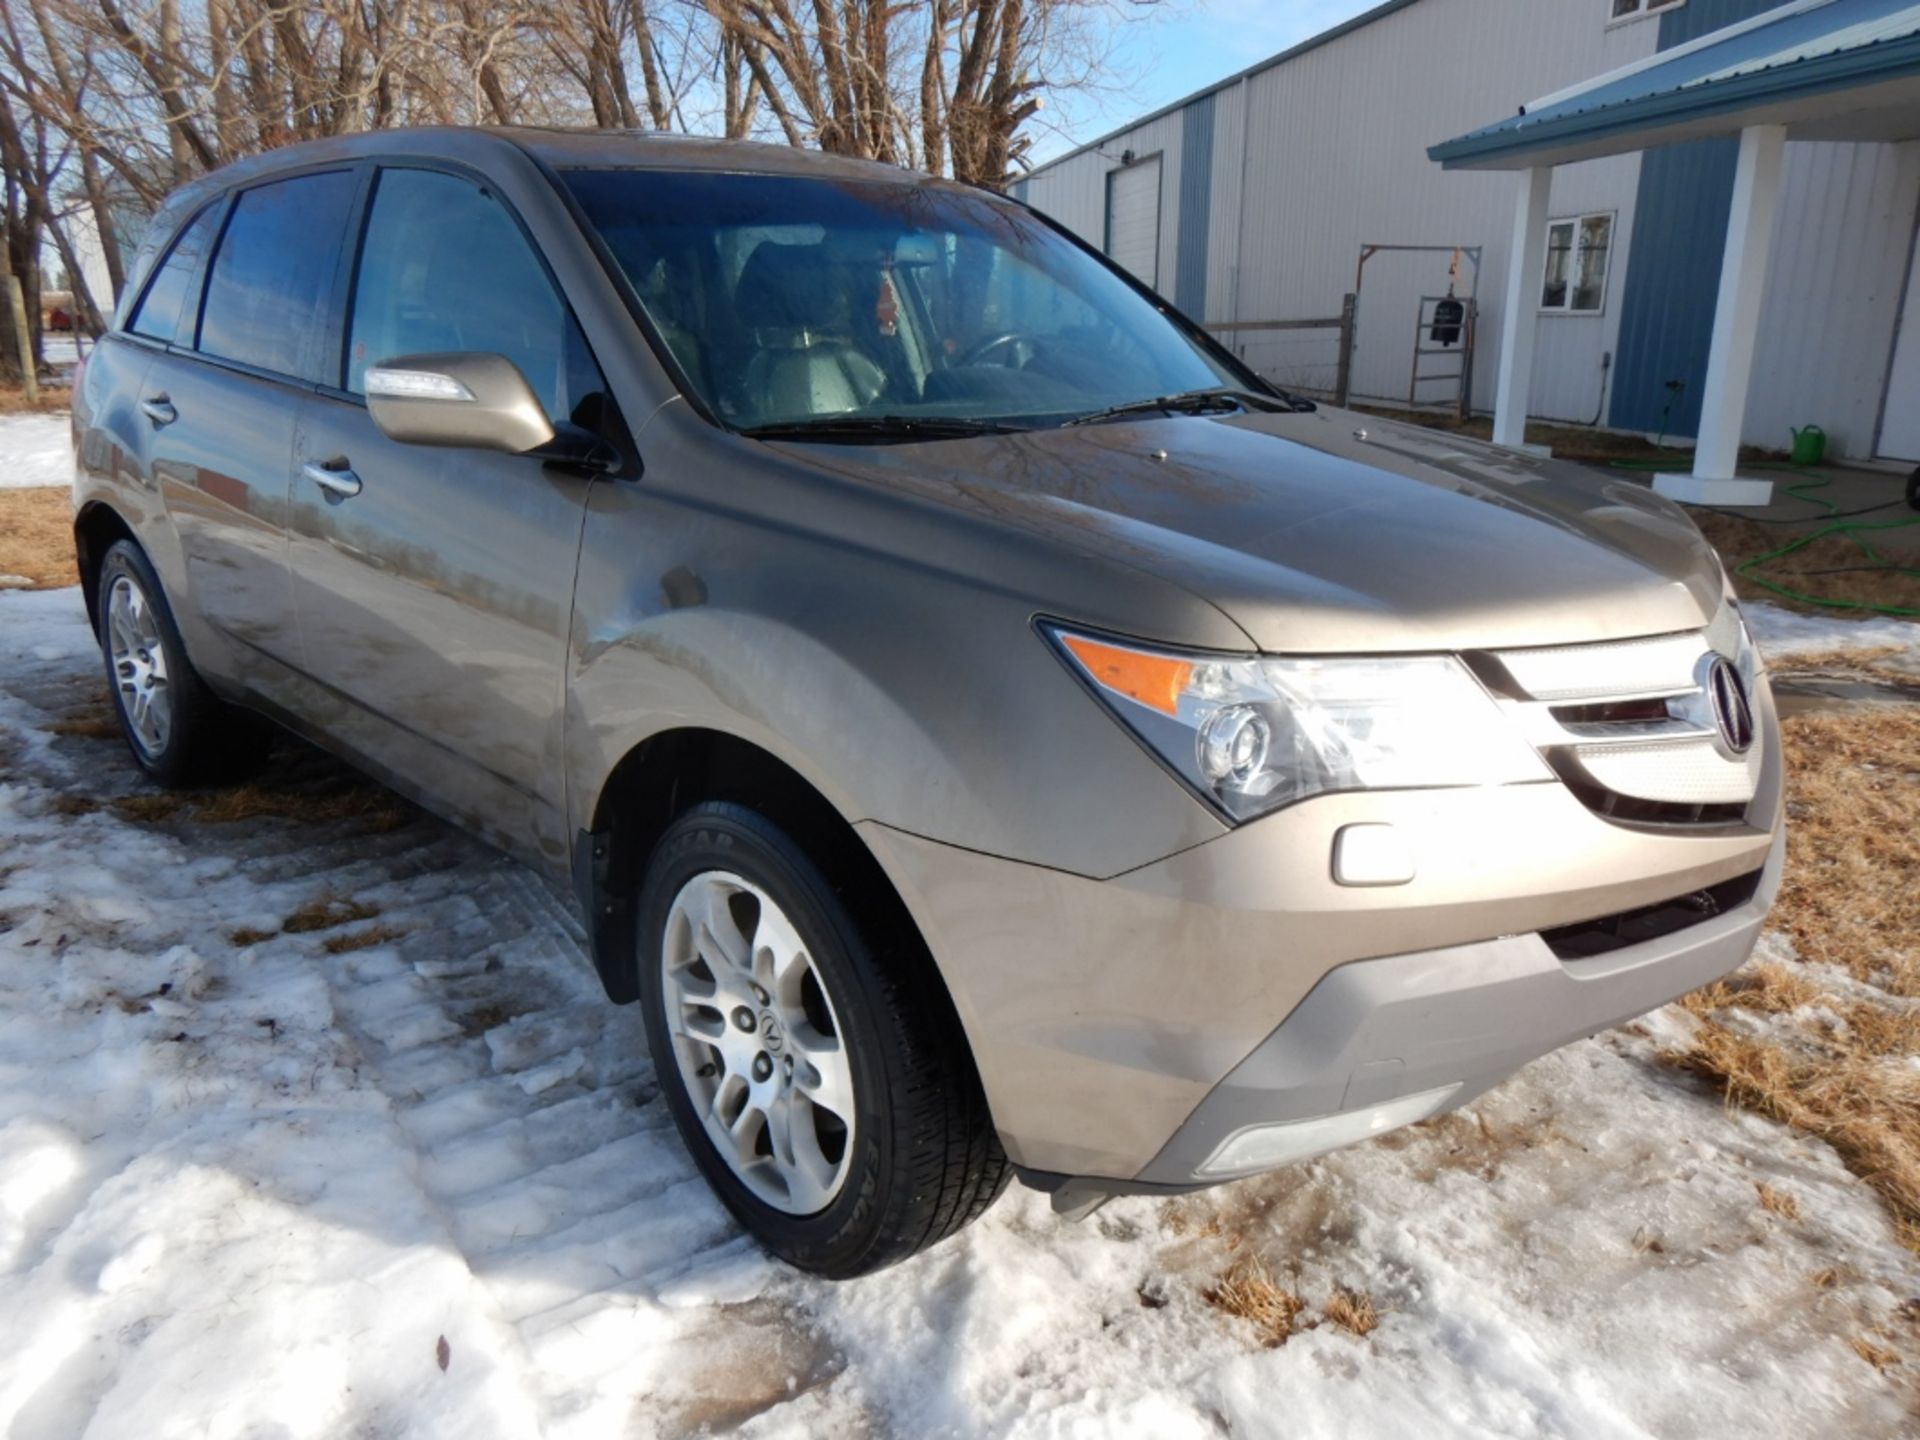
(179,731)
(813,1065)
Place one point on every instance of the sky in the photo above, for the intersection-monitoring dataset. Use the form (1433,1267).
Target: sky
(1175,48)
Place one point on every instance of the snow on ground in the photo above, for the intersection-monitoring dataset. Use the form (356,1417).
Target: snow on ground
(1780,631)
(35,450)
(248,1186)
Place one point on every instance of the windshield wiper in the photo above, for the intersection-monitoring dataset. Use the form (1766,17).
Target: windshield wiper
(1191,402)
(881,427)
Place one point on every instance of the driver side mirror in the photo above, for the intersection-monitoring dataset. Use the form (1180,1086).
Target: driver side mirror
(457,398)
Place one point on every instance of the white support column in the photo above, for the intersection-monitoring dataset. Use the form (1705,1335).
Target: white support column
(1526,269)
(1736,330)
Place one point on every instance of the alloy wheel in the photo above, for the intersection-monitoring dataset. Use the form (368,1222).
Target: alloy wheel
(139,666)
(757,1043)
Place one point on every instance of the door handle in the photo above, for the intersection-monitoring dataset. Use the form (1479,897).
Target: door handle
(159,409)
(341,483)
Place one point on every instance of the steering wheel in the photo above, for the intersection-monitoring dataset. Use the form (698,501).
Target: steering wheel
(1005,340)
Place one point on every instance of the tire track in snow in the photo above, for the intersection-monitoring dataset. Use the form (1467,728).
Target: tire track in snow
(528,1099)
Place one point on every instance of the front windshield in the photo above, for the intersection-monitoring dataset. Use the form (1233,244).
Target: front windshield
(795,301)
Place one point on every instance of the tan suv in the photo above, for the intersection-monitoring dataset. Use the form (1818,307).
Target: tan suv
(988,729)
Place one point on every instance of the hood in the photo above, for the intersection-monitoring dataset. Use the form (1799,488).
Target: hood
(1335,532)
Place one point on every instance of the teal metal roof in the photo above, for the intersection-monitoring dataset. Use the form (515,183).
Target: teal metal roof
(1773,68)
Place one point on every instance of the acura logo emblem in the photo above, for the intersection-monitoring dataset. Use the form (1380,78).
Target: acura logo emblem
(1732,712)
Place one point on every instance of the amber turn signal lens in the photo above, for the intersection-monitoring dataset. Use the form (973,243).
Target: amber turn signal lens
(1155,680)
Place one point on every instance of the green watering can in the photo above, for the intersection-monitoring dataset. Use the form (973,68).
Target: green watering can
(1809,445)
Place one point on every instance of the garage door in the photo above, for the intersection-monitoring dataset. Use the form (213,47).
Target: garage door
(1133,219)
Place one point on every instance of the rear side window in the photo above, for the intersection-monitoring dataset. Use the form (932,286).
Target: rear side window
(445,267)
(158,317)
(272,277)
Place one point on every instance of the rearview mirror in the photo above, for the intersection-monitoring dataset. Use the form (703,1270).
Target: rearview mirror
(457,398)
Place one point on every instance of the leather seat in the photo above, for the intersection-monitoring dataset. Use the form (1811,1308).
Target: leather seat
(792,301)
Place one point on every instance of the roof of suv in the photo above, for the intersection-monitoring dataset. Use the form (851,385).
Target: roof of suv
(564,148)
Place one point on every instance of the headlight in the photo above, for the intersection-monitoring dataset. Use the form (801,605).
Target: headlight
(1252,734)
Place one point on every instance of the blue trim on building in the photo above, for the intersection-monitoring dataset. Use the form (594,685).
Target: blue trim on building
(1673,270)
(1783,60)
(1196,209)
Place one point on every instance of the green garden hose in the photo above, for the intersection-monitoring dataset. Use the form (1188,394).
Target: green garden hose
(1842,524)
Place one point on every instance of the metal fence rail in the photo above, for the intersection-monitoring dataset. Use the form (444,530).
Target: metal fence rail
(1341,325)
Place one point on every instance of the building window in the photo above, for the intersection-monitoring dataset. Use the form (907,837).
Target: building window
(1627,9)
(1577,248)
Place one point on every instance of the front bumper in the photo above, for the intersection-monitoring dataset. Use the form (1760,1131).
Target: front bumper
(1125,1028)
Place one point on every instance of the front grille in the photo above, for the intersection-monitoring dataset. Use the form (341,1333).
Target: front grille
(1634,811)
(1629,726)
(1650,922)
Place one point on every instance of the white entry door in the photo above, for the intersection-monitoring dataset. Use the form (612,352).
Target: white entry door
(1133,219)
(1900,430)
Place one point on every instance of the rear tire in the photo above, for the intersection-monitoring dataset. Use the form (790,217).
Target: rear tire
(839,1011)
(179,731)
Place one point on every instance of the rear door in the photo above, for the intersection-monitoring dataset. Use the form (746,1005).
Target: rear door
(435,586)
(221,400)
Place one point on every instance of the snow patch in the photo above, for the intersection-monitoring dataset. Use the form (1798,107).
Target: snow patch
(35,450)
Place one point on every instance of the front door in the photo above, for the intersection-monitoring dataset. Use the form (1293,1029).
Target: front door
(434,587)
(1900,429)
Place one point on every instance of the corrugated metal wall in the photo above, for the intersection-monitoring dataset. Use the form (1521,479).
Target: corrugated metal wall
(1194,207)
(1847,215)
(1337,157)
(1301,163)
(1680,230)
(1833,287)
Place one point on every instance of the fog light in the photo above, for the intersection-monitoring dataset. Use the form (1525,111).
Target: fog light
(1267,1147)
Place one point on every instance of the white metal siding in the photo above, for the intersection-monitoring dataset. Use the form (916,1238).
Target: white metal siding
(1335,155)
(1075,192)
(1315,156)
(1827,324)
(1133,219)
(1900,428)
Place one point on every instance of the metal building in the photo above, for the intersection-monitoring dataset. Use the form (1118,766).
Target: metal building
(1251,203)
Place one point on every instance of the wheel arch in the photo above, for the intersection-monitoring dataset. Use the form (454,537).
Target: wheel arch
(667,774)
(95,530)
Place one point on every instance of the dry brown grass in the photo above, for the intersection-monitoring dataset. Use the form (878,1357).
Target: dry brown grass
(36,537)
(1829,568)
(1249,1292)
(148,809)
(1777,1202)
(1863,1106)
(1837,1062)
(362,939)
(54,399)
(1353,1311)
(1852,891)
(247,935)
(379,810)
(1770,989)
(326,914)
(87,725)
(1875,1354)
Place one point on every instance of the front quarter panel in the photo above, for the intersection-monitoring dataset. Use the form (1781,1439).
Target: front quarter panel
(883,649)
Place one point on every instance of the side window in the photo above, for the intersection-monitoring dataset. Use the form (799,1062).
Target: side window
(272,278)
(445,267)
(158,316)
